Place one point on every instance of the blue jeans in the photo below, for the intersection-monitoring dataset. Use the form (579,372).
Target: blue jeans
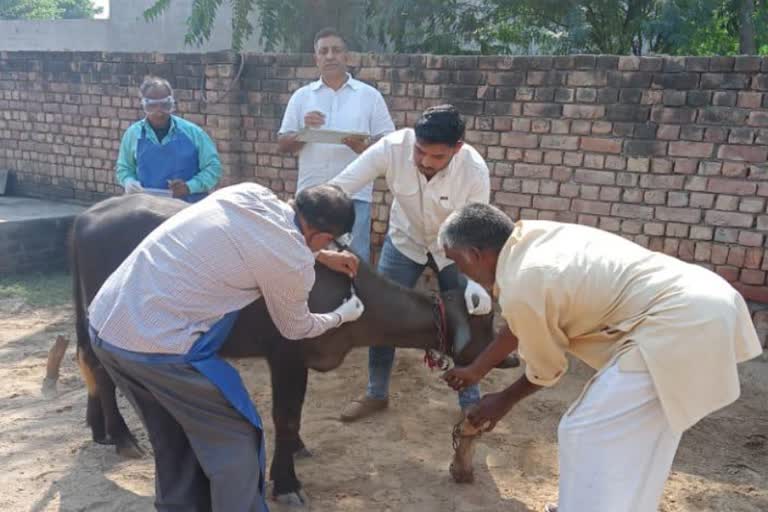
(361,230)
(401,269)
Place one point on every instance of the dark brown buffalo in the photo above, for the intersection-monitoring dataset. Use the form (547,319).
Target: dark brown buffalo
(104,235)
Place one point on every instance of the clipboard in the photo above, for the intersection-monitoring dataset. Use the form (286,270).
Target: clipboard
(325,136)
(162,192)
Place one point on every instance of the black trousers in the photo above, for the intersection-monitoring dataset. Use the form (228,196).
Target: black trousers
(206,453)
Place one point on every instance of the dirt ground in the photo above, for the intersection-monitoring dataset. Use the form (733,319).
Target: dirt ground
(397,461)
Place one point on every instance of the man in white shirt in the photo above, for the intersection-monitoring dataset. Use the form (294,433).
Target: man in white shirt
(665,337)
(431,172)
(337,102)
(160,319)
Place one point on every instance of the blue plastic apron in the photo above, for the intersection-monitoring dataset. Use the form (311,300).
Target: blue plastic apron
(204,357)
(175,160)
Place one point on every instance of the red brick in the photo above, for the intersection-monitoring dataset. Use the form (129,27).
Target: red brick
(668,132)
(751,239)
(594,177)
(702,233)
(632,211)
(510,199)
(519,140)
(533,171)
(583,111)
(703,251)
(551,203)
(687,215)
(662,181)
(717,218)
(752,277)
(542,110)
(758,119)
(719,254)
(671,246)
(599,145)
(587,78)
(686,250)
(561,173)
(749,100)
(591,207)
(755,154)
(685,165)
(730,274)
(560,142)
(753,257)
(751,292)
(735,169)
(692,149)
(736,256)
(723,186)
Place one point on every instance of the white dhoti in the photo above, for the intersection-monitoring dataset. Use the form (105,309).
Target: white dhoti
(616,446)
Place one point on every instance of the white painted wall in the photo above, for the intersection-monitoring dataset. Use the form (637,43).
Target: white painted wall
(124,31)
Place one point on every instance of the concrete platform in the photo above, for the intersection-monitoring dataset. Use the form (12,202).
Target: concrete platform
(33,234)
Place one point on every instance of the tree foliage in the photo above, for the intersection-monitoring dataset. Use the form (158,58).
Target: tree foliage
(47,9)
(695,27)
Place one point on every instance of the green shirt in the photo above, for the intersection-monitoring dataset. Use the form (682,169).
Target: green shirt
(210,167)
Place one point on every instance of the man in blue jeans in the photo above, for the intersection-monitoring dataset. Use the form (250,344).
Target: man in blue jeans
(431,172)
(336,102)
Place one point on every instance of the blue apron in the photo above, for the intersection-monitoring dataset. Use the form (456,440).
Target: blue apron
(177,159)
(203,356)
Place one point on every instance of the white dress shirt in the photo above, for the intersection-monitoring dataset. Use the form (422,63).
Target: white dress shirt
(419,206)
(356,107)
(215,256)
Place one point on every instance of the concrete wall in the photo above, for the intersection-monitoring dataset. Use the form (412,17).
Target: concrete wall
(124,31)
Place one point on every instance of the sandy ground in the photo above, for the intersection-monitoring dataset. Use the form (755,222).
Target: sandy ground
(396,461)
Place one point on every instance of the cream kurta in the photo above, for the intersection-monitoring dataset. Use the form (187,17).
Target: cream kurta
(566,288)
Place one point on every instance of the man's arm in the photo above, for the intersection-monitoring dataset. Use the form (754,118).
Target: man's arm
(287,298)
(364,169)
(126,158)
(286,136)
(210,166)
(494,406)
(481,188)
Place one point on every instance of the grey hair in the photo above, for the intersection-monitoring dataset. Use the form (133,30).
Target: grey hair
(476,225)
(154,82)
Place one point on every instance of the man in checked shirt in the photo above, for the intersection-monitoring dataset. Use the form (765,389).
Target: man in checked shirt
(159,320)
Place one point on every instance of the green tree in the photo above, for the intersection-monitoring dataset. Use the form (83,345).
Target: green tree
(286,24)
(47,9)
(695,27)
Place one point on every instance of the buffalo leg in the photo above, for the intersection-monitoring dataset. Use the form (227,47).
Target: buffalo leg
(464,438)
(289,385)
(117,431)
(94,416)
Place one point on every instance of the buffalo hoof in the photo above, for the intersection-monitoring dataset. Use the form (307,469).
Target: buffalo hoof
(303,453)
(293,499)
(107,440)
(49,388)
(129,449)
(462,475)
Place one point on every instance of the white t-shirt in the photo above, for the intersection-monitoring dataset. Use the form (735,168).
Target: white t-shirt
(419,206)
(356,106)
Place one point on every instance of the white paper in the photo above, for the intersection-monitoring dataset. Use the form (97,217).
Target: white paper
(324,136)
(165,192)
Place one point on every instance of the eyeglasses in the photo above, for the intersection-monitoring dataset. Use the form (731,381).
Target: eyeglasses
(165,105)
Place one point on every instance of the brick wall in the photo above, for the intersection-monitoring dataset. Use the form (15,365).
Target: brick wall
(668,152)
